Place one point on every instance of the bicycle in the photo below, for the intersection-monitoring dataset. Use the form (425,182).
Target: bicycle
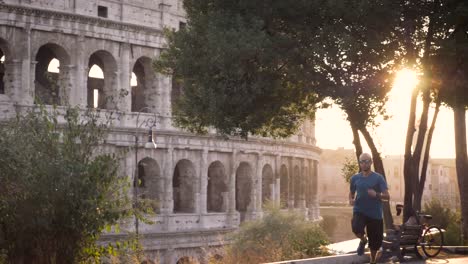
(413,235)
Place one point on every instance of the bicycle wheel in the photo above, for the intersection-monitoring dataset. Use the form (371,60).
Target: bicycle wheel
(432,241)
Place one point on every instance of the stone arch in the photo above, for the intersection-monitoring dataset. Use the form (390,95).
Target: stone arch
(151,184)
(267,183)
(243,187)
(297,186)
(104,88)
(217,190)
(284,186)
(184,184)
(49,86)
(5,56)
(143,94)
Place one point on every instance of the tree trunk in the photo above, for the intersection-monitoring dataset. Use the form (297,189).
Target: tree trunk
(379,167)
(461,162)
(408,170)
(427,148)
(356,141)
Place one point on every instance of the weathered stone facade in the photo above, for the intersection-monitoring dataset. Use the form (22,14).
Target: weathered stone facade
(205,186)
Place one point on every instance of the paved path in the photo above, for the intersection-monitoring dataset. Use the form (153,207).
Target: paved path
(439,260)
(349,247)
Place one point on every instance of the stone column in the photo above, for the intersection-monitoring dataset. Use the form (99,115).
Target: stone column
(302,185)
(314,191)
(164,100)
(168,202)
(203,181)
(291,184)
(231,204)
(13,79)
(124,92)
(277,197)
(79,94)
(66,82)
(25,93)
(29,92)
(258,190)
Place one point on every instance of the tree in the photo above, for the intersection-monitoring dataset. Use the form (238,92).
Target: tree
(252,67)
(448,65)
(350,167)
(59,187)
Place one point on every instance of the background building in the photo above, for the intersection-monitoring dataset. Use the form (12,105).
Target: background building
(98,54)
(441,179)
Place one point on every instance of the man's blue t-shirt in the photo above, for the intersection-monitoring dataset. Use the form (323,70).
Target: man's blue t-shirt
(371,207)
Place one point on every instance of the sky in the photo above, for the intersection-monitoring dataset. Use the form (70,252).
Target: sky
(332,131)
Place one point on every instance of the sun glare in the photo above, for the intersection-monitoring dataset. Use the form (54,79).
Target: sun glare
(405,81)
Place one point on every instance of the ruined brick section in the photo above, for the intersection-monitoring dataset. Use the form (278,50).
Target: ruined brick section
(201,187)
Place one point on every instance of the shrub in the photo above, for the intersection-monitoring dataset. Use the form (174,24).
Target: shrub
(278,236)
(445,219)
(59,189)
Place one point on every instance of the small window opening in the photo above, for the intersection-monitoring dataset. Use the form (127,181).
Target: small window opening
(95,98)
(102,11)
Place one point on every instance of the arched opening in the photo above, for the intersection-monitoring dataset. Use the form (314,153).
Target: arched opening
(186,260)
(243,188)
(49,83)
(96,81)
(284,187)
(151,184)
(217,188)
(184,184)
(101,84)
(267,184)
(297,186)
(141,84)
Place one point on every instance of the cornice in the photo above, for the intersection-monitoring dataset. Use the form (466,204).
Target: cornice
(106,23)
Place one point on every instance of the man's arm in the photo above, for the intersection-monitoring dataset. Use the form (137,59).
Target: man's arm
(351,198)
(385,195)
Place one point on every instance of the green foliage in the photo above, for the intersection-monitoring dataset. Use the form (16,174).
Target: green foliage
(278,236)
(59,188)
(446,219)
(247,67)
(441,215)
(350,167)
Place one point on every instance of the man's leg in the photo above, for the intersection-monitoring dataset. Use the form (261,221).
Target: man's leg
(375,233)
(358,224)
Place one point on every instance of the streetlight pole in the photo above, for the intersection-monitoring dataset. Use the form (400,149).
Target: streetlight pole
(150,144)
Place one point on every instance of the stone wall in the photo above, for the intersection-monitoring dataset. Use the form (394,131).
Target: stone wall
(203,186)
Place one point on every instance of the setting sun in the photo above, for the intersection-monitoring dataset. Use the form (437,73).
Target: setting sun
(405,81)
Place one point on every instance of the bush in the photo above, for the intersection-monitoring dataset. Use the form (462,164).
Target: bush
(58,190)
(278,236)
(445,219)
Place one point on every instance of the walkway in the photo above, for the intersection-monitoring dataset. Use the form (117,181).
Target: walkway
(346,254)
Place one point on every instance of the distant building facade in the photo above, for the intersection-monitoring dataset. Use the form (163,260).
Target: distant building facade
(333,187)
(441,179)
(205,186)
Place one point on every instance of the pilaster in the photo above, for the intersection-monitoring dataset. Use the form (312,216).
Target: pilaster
(124,93)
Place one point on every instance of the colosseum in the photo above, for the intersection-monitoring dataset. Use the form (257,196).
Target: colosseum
(98,54)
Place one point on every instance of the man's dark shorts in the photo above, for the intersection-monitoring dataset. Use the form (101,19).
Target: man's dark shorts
(374,229)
